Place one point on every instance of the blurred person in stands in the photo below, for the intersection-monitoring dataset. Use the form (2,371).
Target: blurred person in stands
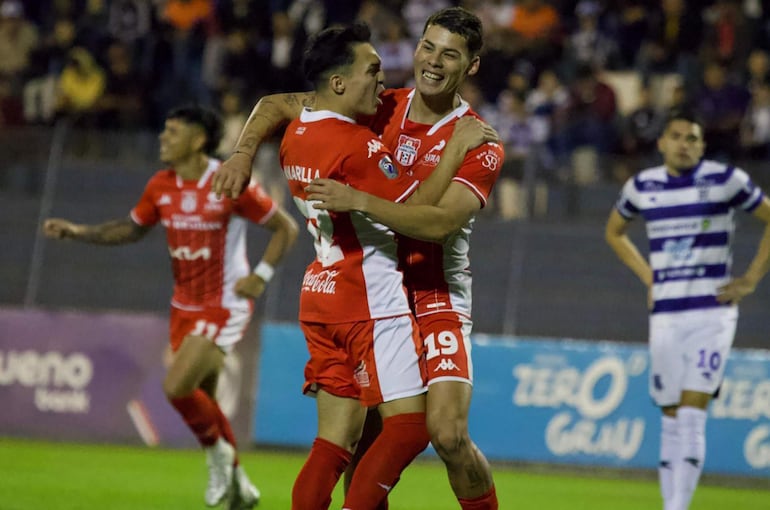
(688,203)
(416,122)
(18,40)
(81,85)
(213,284)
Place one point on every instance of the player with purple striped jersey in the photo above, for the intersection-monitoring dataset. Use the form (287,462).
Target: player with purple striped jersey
(688,204)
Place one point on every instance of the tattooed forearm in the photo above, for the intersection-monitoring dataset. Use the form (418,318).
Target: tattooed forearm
(112,232)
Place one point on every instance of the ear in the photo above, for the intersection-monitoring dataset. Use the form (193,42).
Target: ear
(337,84)
(473,68)
(199,141)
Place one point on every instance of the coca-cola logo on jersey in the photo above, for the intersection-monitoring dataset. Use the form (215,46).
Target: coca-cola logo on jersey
(323,282)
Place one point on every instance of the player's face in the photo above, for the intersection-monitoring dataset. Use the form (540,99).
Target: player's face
(441,62)
(178,141)
(364,80)
(681,145)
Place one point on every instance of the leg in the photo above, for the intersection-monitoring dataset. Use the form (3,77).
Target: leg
(403,438)
(467,468)
(340,421)
(372,429)
(691,424)
(669,455)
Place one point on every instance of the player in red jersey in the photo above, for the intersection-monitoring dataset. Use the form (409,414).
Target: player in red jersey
(213,283)
(354,311)
(436,275)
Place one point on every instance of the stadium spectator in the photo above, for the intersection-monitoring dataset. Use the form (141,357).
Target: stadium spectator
(122,105)
(722,105)
(414,121)
(755,126)
(691,295)
(640,131)
(588,44)
(210,308)
(81,85)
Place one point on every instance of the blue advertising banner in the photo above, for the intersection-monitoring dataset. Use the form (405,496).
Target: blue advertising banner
(554,401)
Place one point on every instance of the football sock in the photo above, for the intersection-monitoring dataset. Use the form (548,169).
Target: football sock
(316,480)
(403,437)
(692,434)
(486,502)
(199,412)
(669,452)
(226,430)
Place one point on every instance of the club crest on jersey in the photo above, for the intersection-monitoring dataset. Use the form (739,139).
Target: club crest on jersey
(406,152)
(189,201)
(387,167)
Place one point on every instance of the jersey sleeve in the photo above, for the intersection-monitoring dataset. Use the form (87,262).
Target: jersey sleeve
(255,205)
(369,166)
(480,170)
(146,212)
(744,193)
(628,201)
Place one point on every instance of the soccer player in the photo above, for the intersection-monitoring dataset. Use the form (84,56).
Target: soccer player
(688,205)
(415,122)
(363,341)
(213,285)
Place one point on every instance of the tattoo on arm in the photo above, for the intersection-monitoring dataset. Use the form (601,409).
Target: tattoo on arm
(114,232)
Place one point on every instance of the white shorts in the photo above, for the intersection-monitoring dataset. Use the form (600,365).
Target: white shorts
(688,351)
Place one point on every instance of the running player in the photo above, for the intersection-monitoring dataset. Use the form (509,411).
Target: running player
(213,284)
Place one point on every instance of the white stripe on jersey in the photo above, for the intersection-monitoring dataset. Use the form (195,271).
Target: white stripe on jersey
(236,263)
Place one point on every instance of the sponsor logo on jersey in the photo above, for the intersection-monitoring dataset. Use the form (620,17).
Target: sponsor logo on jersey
(406,152)
(213,203)
(702,185)
(432,158)
(489,160)
(447,364)
(387,167)
(164,200)
(374,146)
(361,375)
(323,282)
(187,253)
(300,130)
(189,201)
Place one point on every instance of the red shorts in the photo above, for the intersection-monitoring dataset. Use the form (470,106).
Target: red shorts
(222,326)
(374,361)
(447,338)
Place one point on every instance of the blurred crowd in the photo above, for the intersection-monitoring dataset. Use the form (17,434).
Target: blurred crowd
(569,84)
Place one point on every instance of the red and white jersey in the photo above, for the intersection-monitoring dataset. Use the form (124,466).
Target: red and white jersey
(355,274)
(206,236)
(437,277)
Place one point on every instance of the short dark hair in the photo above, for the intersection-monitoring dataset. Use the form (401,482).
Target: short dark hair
(685,114)
(332,49)
(206,118)
(462,22)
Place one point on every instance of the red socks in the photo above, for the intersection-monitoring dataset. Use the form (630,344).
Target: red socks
(486,502)
(315,482)
(202,415)
(402,439)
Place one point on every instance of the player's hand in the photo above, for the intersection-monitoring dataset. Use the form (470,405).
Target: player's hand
(735,290)
(471,132)
(233,176)
(332,195)
(250,287)
(57,228)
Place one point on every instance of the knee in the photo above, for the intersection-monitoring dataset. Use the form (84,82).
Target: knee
(449,438)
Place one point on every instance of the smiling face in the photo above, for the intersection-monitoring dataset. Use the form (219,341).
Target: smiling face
(681,145)
(179,141)
(362,81)
(442,61)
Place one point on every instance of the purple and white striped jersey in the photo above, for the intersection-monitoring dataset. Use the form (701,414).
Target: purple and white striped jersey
(690,226)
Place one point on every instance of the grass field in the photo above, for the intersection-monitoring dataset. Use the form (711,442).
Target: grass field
(63,476)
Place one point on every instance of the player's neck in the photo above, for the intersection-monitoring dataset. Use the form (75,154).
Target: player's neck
(191,168)
(431,109)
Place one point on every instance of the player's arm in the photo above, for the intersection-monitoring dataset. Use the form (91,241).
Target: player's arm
(270,113)
(112,232)
(469,132)
(284,233)
(616,235)
(740,287)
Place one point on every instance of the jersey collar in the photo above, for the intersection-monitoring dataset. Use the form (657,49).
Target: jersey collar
(309,115)
(461,110)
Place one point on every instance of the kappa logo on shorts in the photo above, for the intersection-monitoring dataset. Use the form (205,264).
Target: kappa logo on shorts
(447,364)
(361,375)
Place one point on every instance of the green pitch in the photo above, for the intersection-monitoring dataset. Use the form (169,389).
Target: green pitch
(59,476)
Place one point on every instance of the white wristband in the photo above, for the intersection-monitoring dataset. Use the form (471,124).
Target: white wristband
(264,271)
